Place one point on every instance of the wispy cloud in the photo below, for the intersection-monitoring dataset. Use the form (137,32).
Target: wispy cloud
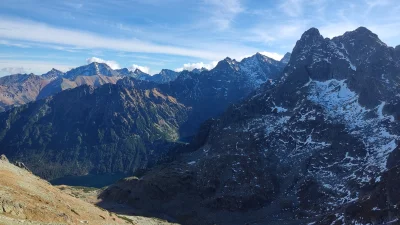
(292,8)
(223,12)
(170,33)
(8,43)
(114,65)
(31,66)
(38,32)
(12,70)
(286,31)
(273,55)
(376,3)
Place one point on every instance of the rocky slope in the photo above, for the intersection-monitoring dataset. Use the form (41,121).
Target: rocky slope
(114,128)
(164,76)
(91,69)
(27,199)
(318,146)
(52,74)
(286,58)
(19,89)
(60,84)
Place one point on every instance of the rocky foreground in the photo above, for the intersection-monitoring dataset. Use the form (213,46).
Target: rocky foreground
(27,199)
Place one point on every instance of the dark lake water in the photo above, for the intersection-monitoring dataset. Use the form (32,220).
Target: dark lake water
(91,180)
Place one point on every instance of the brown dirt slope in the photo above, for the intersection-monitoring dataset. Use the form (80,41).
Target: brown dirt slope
(27,199)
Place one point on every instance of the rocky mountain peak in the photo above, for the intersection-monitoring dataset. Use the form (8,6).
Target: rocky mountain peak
(138,74)
(137,71)
(54,70)
(263,58)
(361,36)
(286,58)
(166,71)
(91,69)
(361,31)
(227,64)
(309,40)
(311,35)
(52,74)
(198,71)
(123,71)
(164,76)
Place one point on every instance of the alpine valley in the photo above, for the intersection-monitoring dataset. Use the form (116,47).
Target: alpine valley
(310,139)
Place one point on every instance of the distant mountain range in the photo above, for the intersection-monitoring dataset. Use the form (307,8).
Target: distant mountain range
(124,121)
(20,89)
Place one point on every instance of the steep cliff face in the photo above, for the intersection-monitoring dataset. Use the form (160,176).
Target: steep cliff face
(108,129)
(308,149)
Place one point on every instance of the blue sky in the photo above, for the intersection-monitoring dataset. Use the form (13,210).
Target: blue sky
(37,35)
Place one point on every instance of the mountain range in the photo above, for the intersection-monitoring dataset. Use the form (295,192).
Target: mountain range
(120,123)
(20,89)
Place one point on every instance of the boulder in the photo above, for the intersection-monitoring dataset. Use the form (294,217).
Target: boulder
(21,165)
(3,158)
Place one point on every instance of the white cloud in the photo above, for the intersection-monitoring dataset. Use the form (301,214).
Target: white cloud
(199,65)
(114,65)
(12,70)
(32,66)
(336,29)
(42,33)
(144,69)
(376,3)
(8,43)
(223,12)
(289,30)
(273,55)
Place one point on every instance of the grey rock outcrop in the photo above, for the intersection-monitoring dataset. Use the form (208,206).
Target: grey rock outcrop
(3,158)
